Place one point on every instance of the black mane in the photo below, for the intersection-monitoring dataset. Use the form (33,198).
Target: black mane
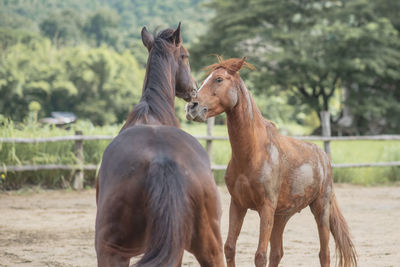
(157,101)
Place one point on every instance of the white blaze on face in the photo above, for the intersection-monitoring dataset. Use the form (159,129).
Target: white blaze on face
(205,81)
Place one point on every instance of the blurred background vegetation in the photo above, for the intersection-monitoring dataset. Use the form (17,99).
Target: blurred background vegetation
(83,56)
(86,57)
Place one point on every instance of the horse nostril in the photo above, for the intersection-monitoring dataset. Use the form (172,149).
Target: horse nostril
(194,105)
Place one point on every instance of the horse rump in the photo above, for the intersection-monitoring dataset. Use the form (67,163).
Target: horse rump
(167,211)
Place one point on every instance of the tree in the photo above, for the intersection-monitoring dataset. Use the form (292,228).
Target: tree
(108,84)
(98,84)
(116,23)
(313,48)
(102,27)
(63,28)
(10,37)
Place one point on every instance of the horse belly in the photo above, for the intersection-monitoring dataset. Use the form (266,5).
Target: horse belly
(298,189)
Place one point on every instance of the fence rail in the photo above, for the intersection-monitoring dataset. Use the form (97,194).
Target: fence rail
(199,137)
(57,139)
(79,167)
(23,168)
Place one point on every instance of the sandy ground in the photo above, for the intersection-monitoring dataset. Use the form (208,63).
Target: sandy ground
(56,228)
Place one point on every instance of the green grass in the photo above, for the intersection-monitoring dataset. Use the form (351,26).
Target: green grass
(48,153)
(366,152)
(342,152)
(63,153)
(221,150)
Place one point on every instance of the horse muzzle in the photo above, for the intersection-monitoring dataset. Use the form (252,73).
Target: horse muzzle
(194,112)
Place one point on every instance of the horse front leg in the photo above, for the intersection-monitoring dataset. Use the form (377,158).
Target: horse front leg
(266,214)
(236,216)
(276,241)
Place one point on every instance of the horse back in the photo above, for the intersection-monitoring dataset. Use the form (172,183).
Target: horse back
(138,145)
(122,181)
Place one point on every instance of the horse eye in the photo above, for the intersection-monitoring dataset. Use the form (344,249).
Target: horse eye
(218,80)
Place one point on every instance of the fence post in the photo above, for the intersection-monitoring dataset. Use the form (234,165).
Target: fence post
(210,126)
(78,176)
(326,130)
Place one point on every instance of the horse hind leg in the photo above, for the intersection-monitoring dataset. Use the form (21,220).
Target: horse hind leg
(207,247)
(206,244)
(179,262)
(107,258)
(276,241)
(321,211)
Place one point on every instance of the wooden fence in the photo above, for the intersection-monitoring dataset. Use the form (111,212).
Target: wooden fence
(80,166)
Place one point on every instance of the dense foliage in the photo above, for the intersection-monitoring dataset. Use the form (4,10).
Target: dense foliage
(115,22)
(98,83)
(82,56)
(86,56)
(341,56)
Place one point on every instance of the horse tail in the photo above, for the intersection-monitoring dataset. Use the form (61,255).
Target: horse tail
(340,231)
(167,206)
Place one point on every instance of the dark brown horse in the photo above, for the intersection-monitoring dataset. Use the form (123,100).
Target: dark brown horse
(273,174)
(156,194)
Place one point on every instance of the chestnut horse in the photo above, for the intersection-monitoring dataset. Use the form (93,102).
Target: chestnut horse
(273,174)
(156,193)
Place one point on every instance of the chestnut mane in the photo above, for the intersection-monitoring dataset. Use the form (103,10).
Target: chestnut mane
(229,64)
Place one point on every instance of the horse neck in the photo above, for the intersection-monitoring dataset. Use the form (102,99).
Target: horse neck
(156,105)
(246,126)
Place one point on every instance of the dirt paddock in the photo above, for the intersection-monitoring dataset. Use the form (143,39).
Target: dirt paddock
(56,228)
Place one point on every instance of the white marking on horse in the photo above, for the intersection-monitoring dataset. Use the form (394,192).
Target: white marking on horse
(247,95)
(321,171)
(274,155)
(266,171)
(326,161)
(322,175)
(302,178)
(205,81)
(269,179)
(269,173)
(232,98)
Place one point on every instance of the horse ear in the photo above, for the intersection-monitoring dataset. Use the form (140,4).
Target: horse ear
(147,39)
(238,65)
(176,36)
